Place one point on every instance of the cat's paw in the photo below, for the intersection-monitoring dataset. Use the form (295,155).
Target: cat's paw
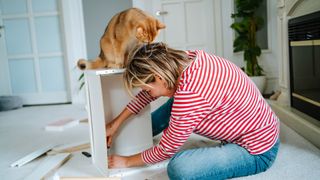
(82,64)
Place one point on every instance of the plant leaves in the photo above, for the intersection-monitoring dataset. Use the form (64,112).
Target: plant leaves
(240,43)
(81,76)
(246,33)
(81,85)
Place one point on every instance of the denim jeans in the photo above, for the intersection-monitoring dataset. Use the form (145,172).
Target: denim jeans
(221,162)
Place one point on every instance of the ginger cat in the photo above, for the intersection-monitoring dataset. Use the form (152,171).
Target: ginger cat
(124,31)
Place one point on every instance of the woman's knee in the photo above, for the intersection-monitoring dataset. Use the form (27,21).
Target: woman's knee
(173,169)
(177,169)
(266,160)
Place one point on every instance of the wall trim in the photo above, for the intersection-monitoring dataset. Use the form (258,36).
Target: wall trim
(291,7)
(75,45)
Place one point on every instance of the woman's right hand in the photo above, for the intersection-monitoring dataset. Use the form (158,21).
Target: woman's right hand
(111,129)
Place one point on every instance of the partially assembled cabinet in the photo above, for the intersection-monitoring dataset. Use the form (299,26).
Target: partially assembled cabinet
(107,97)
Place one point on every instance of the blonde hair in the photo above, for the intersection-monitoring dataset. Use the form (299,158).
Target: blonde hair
(147,61)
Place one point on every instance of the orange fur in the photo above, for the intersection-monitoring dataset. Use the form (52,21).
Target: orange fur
(124,31)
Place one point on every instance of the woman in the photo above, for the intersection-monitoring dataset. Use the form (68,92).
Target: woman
(211,97)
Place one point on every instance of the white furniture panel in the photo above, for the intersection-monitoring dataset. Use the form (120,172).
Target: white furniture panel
(107,97)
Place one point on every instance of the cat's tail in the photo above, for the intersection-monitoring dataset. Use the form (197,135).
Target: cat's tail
(93,64)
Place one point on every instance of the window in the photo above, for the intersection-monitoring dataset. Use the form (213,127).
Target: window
(262,34)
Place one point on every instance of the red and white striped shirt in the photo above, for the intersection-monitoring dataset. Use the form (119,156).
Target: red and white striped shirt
(215,99)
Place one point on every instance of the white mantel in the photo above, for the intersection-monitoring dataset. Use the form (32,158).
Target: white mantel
(306,126)
(288,9)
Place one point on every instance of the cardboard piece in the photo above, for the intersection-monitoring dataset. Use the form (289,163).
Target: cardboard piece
(61,124)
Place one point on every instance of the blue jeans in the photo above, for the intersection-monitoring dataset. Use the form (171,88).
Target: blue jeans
(221,162)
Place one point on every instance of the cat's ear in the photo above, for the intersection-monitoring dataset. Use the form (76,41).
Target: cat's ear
(160,25)
(140,34)
(139,30)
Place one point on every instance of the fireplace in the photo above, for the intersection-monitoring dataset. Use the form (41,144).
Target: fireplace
(304,55)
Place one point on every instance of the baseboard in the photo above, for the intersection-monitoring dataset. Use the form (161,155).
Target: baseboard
(304,125)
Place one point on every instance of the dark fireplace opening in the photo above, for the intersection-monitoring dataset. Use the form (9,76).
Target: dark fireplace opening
(304,54)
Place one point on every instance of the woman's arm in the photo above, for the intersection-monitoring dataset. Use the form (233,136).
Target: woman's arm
(124,115)
(142,99)
(187,111)
(112,127)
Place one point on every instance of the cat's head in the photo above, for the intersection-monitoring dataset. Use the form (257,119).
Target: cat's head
(148,31)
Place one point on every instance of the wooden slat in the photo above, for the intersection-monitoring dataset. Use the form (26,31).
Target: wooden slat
(68,148)
(50,164)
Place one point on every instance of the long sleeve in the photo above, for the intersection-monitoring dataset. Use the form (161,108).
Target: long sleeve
(142,99)
(187,111)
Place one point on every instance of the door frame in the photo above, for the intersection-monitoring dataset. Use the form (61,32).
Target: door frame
(74,45)
(4,65)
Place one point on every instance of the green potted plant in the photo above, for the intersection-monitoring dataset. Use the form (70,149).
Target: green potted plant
(246,25)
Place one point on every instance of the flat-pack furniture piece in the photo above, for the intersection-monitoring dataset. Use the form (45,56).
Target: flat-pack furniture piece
(107,97)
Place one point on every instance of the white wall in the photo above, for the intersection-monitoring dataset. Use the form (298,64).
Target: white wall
(74,44)
(85,22)
(306,7)
(97,14)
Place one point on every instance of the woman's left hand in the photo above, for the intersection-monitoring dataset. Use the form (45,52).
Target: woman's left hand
(116,161)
